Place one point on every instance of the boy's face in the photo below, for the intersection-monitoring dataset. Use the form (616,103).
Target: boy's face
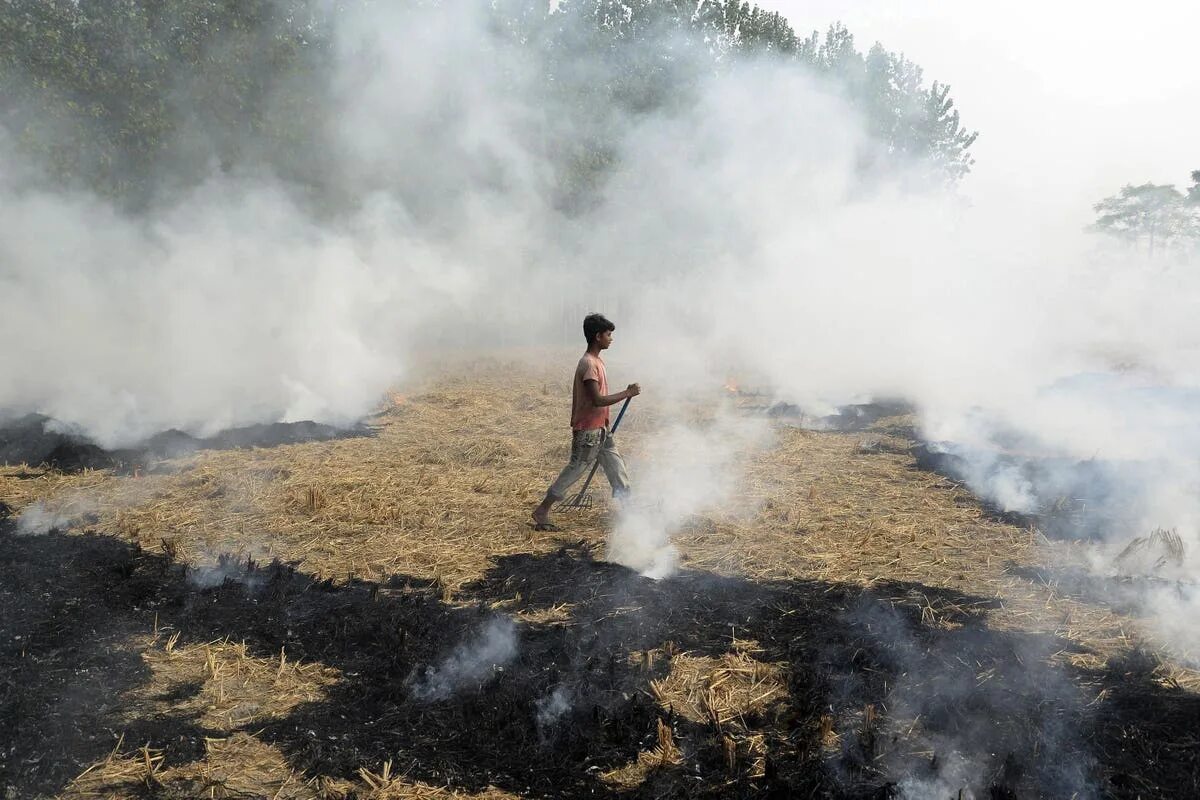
(604,339)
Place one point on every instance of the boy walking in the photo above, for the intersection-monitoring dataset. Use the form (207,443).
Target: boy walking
(590,438)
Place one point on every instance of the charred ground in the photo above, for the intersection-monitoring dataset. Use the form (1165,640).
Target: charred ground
(137,663)
(36,440)
(73,601)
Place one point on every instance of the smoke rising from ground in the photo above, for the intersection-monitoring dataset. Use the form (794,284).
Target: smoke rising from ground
(739,224)
(978,709)
(1029,352)
(552,707)
(689,469)
(471,664)
(231,303)
(37,519)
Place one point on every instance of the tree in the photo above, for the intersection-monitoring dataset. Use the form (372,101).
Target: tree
(129,96)
(916,124)
(742,28)
(1194,190)
(134,98)
(1157,213)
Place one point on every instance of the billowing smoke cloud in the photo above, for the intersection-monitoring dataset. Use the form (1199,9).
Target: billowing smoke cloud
(472,663)
(737,224)
(1063,382)
(227,309)
(1062,378)
(231,303)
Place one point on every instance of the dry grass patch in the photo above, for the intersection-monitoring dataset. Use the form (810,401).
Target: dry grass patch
(236,767)
(224,686)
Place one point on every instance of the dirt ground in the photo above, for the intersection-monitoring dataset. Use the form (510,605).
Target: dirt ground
(262,623)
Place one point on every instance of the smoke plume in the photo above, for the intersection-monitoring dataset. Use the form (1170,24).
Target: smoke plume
(687,470)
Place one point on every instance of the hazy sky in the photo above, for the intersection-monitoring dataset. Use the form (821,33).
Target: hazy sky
(1072,100)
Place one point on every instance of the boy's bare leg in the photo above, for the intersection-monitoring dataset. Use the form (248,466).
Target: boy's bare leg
(541,514)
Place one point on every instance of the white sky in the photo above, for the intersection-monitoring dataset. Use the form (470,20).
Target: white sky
(1071,99)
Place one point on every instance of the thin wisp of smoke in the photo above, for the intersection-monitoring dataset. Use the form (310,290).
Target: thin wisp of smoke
(471,664)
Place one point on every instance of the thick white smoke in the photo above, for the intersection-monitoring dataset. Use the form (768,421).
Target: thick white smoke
(230,304)
(739,225)
(227,309)
(766,249)
(691,469)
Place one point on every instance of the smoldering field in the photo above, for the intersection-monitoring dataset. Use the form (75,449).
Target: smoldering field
(373,616)
(742,235)
(738,228)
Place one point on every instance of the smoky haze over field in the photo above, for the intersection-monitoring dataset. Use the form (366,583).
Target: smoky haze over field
(752,223)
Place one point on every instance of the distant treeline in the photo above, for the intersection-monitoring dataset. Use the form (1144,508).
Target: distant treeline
(1157,219)
(133,98)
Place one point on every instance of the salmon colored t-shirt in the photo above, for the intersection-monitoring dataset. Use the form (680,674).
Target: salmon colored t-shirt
(584,415)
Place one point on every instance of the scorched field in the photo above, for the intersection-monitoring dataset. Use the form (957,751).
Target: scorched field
(373,616)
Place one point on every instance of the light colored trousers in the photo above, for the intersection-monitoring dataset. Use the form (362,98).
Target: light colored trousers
(586,448)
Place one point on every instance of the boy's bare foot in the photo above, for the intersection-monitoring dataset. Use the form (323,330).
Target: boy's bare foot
(541,519)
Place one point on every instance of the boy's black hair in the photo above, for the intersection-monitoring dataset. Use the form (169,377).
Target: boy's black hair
(594,324)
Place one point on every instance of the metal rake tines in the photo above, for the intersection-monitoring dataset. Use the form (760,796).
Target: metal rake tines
(581,500)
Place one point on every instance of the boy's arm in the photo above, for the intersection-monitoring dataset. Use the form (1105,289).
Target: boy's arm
(602,400)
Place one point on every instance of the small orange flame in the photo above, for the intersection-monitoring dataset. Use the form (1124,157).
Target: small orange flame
(731,386)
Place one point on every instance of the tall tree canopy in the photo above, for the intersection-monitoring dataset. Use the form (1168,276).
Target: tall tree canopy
(113,93)
(916,123)
(133,97)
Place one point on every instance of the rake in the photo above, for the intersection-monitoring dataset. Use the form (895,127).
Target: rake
(582,499)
